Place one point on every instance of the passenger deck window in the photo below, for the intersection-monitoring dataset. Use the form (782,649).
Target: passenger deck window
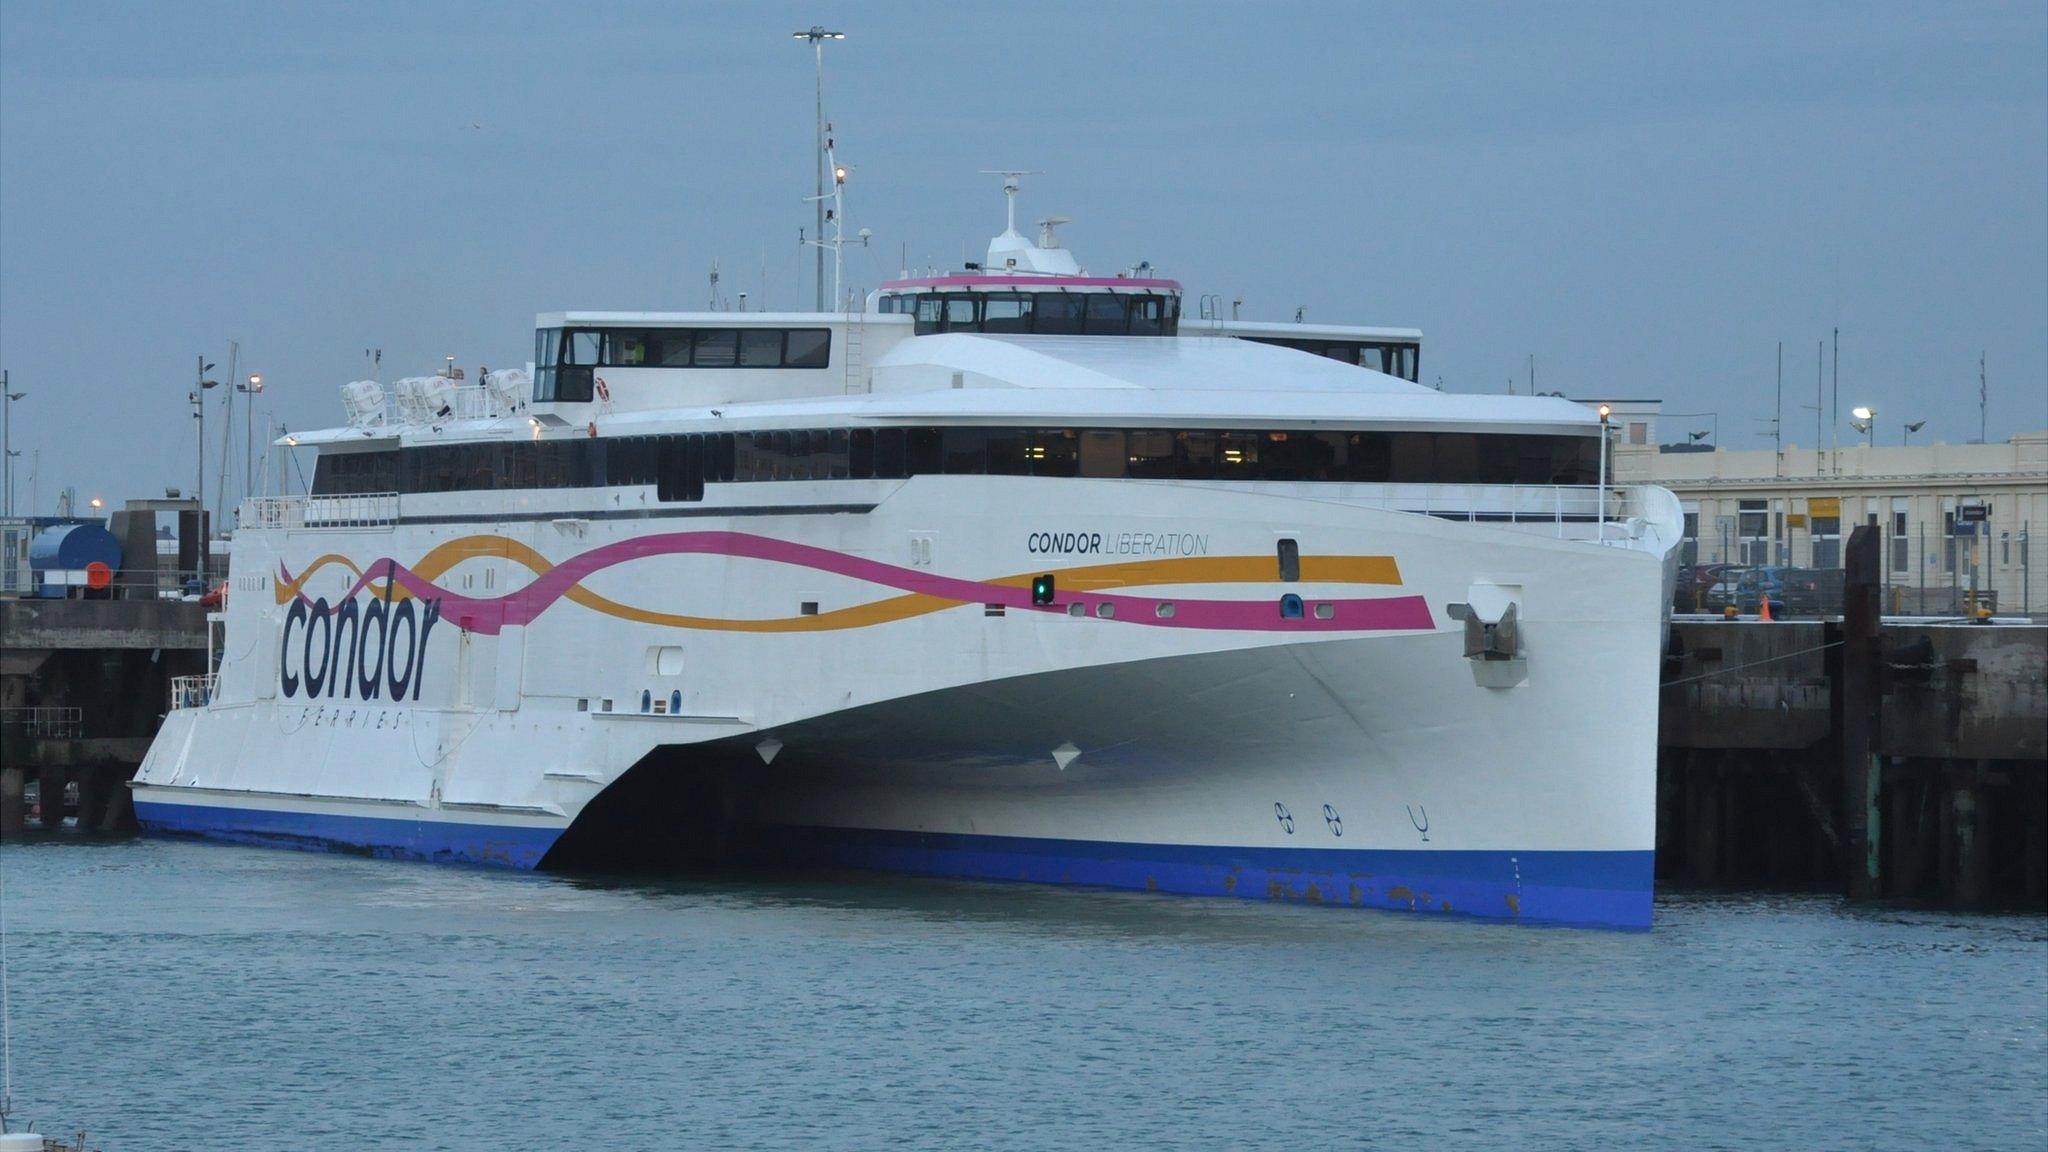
(808,348)
(679,466)
(761,348)
(717,348)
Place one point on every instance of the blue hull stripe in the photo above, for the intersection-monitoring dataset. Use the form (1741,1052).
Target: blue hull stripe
(1603,889)
(1599,889)
(496,844)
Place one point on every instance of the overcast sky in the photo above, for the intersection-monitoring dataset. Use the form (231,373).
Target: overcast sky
(1647,197)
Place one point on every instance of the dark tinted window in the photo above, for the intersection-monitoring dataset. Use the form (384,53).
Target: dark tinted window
(1057,313)
(716,348)
(808,348)
(761,348)
(1148,315)
(680,466)
(1006,312)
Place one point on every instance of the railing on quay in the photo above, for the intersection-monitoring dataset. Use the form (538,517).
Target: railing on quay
(45,723)
(193,691)
(364,510)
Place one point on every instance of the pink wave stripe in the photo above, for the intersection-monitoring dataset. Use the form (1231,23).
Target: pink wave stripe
(488,615)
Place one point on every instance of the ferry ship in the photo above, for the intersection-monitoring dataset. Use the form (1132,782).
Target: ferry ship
(1014,573)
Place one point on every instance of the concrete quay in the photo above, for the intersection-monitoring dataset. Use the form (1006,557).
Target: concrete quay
(83,686)
(1892,759)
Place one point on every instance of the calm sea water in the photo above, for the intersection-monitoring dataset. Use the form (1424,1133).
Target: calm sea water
(171,996)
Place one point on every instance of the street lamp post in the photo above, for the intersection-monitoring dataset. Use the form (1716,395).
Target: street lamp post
(817,35)
(1600,522)
(7,452)
(197,397)
(1909,429)
(1866,423)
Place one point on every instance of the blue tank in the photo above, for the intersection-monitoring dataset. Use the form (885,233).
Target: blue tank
(59,556)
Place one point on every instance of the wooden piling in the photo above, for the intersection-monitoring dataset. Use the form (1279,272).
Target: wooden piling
(1862,768)
(1703,822)
(13,807)
(120,813)
(50,794)
(1966,801)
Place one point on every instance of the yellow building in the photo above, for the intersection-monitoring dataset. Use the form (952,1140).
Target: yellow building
(1954,516)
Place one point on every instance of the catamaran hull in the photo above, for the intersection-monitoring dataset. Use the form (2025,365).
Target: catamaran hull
(1197,735)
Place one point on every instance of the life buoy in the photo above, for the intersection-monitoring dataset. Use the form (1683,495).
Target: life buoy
(604,391)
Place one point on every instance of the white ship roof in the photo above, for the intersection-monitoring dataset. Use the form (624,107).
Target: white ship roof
(969,378)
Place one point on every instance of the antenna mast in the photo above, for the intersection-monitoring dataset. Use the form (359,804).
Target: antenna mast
(836,217)
(1012,181)
(1778,414)
(1983,402)
(817,35)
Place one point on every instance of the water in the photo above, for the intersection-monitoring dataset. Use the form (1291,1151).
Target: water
(182,995)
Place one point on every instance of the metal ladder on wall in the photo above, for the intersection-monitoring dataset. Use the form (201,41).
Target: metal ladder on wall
(852,365)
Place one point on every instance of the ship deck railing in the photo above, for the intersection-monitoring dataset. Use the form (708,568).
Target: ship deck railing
(193,691)
(360,510)
(1573,511)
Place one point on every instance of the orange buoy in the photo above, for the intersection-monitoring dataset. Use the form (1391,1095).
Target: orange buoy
(98,575)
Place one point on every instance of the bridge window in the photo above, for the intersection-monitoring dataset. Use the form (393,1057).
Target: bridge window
(1106,315)
(1045,313)
(1006,312)
(1058,314)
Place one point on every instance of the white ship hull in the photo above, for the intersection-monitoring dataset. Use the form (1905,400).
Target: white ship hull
(873,687)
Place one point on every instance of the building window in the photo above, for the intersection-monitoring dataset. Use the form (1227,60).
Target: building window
(1899,543)
(1752,527)
(1638,432)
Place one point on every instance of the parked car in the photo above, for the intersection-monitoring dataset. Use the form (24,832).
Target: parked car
(1758,585)
(1694,582)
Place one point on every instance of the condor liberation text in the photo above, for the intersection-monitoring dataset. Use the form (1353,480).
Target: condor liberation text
(1117,544)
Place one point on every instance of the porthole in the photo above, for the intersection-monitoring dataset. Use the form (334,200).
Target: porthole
(1163,609)
(1106,610)
(1326,611)
(1290,607)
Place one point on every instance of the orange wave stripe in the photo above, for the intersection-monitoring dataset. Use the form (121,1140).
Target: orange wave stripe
(1094,577)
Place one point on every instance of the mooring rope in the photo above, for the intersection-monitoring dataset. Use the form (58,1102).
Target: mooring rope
(1754,663)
